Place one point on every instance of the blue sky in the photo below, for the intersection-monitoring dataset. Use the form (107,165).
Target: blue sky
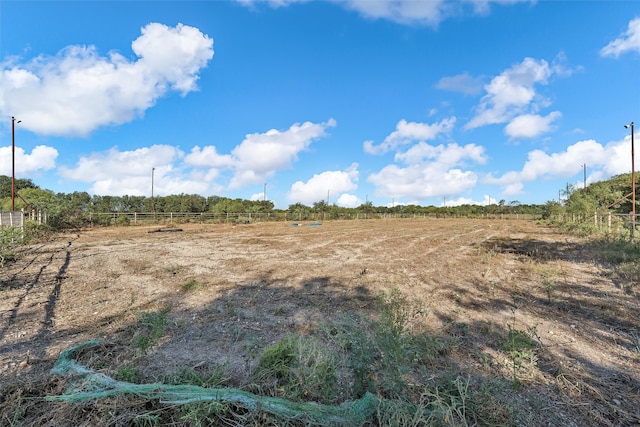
(388,101)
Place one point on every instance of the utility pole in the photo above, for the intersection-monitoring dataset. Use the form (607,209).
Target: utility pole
(633,184)
(585,175)
(13,162)
(153,207)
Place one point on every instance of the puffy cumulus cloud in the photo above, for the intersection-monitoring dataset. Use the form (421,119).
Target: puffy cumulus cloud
(460,201)
(603,161)
(208,157)
(316,188)
(445,156)
(78,90)
(42,158)
(260,155)
(627,42)
(431,171)
(421,181)
(117,172)
(463,83)
(202,170)
(409,132)
(105,165)
(349,201)
(511,92)
(531,125)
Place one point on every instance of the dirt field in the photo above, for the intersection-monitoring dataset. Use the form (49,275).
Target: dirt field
(232,290)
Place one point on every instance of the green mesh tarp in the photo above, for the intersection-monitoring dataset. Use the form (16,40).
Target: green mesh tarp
(86,384)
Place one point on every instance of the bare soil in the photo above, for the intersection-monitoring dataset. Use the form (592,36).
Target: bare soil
(233,290)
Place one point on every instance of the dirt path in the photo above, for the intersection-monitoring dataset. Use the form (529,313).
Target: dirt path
(234,289)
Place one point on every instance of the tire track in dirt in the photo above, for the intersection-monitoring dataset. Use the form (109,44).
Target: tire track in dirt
(31,294)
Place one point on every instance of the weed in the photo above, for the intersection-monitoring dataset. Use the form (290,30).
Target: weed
(521,348)
(549,287)
(191,285)
(189,376)
(146,420)
(447,402)
(206,414)
(128,374)
(15,415)
(154,325)
(299,368)
(380,352)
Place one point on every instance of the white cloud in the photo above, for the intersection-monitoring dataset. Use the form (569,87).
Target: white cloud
(401,11)
(349,201)
(421,181)
(487,200)
(260,155)
(209,157)
(42,158)
(257,157)
(531,125)
(410,12)
(129,172)
(463,83)
(512,93)
(409,132)
(446,156)
(126,164)
(627,42)
(432,171)
(333,183)
(602,162)
(77,91)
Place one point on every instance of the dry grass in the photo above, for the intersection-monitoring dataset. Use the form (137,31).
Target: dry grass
(518,323)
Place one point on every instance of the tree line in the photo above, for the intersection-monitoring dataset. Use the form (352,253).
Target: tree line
(73,206)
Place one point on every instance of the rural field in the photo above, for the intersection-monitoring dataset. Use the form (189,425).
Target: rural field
(463,321)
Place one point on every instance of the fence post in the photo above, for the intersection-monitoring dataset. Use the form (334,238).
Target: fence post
(609,222)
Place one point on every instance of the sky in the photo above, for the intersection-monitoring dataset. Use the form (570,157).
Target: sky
(391,102)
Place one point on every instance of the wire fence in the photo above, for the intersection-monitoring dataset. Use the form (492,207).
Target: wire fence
(142,218)
(12,226)
(602,222)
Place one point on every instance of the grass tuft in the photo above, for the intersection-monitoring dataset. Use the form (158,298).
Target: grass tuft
(153,326)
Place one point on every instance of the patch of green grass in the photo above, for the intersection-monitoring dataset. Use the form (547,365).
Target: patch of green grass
(146,420)
(200,414)
(191,285)
(189,376)
(153,326)
(299,368)
(128,373)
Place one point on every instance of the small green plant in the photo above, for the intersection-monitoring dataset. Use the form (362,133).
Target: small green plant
(191,285)
(299,368)
(154,325)
(521,348)
(128,373)
(549,286)
(381,351)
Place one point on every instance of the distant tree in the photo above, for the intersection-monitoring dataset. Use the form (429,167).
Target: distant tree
(551,208)
(320,206)
(20,184)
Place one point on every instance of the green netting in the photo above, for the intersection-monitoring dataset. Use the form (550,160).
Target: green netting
(86,384)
